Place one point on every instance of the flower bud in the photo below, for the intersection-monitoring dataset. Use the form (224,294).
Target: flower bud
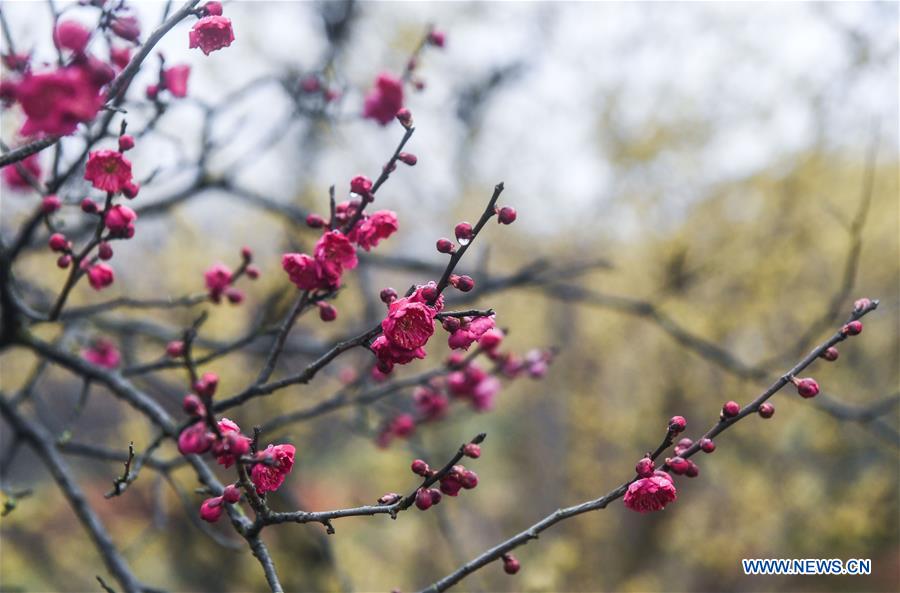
(464,283)
(677,424)
(388,296)
(445,246)
(472,450)
(423,499)
(327,312)
(678,465)
(436,38)
(50,204)
(389,498)
(404,116)
(831,354)
(192,405)
(234,295)
(361,185)
(766,410)
(692,470)
(807,387)
(506,215)
(853,328)
(252,272)
(64,261)
(510,564)
(683,445)
(707,445)
(419,467)
(126,142)
(731,409)
(314,221)
(861,304)
(436,495)
(645,467)
(58,242)
(88,206)
(451,324)
(464,232)
(207,384)
(175,349)
(408,158)
(468,479)
(246,254)
(213,8)
(231,494)
(104,251)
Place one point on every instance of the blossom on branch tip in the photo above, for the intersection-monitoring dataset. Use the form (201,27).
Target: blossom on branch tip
(218,279)
(268,478)
(650,494)
(677,424)
(108,170)
(385,99)
(211,33)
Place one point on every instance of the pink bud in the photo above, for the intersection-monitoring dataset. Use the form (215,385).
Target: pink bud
(50,204)
(389,498)
(408,158)
(465,283)
(807,387)
(678,465)
(361,185)
(126,142)
(510,564)
(831,354)
(246,254)
(192,405)
(683,445)
(436,38)
(327,312)
(472,450)
(445,246)
(463,232)
(468,479)
(234,295)
(692,470)
(105,251)
(404,116)
(388,296)
(231,494)
(766,410)
(861,304)
(88,206)
(707,445)
(423,499)
(58,242)
(71,35)
(436,495)
(175,349)
(677,424)
(211,509)
(213,8)
(207,384)
(451,324)
(645,467)
(491,339)
(419,467)
(731,409)
(314,221)
(506,215)
(853,328)
(64,261)
(252,272)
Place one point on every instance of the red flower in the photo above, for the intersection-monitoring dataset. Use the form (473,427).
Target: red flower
(389,354)
(408,325)
(469,331)
(176,79)
(120,222)
(334,253)
(100,276)
(195,439)
(232,444)
(103,353)
(385,99)
(108,170)
(218,279)
(302,269)
(120,56)
(55,102)
(16,180)
(211,33)
(650,494)
(268,478)
(380,225)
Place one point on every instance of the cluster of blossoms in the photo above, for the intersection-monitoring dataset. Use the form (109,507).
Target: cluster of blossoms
(335,251)
(220,279)
(466,381)
(223,438)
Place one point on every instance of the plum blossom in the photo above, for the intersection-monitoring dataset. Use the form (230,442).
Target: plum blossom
(15,180)
(56,102)
(108,170)
(650,494)
(103,353)
(211,33)
(218,279)
(379,225)
(268,478)
(385,99)
(100,276)
(120,221)
(176,79)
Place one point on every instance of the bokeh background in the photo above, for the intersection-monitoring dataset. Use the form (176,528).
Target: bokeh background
(734,165)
